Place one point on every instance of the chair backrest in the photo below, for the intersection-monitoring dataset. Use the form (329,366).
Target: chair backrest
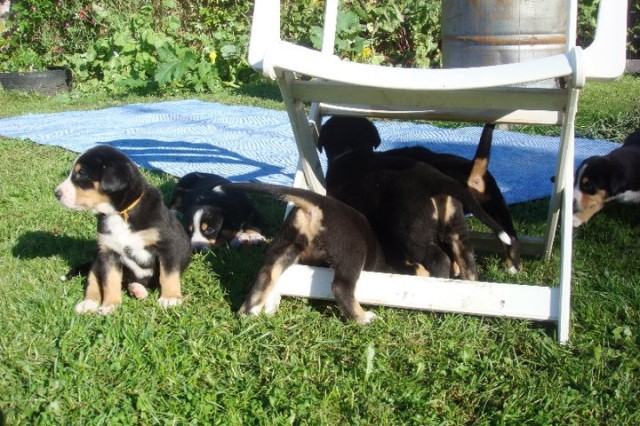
(554,31)
(493,32)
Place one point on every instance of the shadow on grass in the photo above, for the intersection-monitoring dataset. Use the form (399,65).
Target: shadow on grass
(77,253)
(37,244)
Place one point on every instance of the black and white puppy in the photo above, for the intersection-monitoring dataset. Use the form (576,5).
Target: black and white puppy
(612,177)
(475,176)
(415,210)
(319,230)
(212,216)
(139,240)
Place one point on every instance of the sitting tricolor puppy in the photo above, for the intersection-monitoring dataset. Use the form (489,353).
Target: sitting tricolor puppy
(140,242)
(600,179)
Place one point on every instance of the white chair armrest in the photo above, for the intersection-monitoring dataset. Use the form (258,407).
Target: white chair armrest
(290,57)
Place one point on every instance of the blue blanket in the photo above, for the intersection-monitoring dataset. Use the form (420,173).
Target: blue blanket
(256,144)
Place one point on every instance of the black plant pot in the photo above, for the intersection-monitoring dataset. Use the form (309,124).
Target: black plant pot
(49,82)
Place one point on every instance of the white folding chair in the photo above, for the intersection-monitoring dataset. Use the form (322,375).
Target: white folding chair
(317,83)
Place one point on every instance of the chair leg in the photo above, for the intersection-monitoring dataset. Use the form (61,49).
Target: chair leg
(564,186)
(303,133)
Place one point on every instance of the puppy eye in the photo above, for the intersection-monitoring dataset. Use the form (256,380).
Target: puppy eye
(588,187)
(209,231)
(82,173)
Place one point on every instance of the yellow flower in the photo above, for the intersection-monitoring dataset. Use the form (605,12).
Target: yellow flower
(367,52)
(212,56)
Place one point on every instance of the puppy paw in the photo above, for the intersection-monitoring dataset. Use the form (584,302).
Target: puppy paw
(87,306)
(272,303)
(167,302)
(247,239)
(368,317)
(577,221)
(512,270)
(138,291)
(248,310)
(107,310)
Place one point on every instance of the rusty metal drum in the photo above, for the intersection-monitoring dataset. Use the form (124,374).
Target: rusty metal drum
(492,32)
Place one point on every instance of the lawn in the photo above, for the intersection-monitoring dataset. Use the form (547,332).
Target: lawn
(201,364)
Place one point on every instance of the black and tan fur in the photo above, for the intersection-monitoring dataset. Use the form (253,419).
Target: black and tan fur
(213,217)
(612,177)
(319,230)
(415,210)
(139,240)
(475,175)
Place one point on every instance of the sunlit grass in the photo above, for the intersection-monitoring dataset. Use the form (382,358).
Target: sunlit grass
(201,364)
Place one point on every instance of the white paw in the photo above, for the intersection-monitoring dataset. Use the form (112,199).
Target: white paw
(368,317)
(272,303)
(576,221)
(87,306)
(167,302)
(247,238)
(107,310)
(138,291)
(255,310)
(512,270)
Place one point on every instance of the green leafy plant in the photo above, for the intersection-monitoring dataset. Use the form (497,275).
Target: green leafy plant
(200,45)
(139,57)
(38,33)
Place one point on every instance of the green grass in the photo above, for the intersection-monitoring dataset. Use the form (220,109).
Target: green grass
(201,364)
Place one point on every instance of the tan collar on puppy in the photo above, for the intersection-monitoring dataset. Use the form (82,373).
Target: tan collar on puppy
(125,213)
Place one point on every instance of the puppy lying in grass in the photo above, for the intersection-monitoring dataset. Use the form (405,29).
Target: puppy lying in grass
(212,216)
(140,241)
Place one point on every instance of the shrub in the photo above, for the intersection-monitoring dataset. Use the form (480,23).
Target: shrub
(202,44)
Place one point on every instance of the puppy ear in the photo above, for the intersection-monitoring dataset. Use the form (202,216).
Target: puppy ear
(376,140)
(113,179)
(617,181)
(371,133)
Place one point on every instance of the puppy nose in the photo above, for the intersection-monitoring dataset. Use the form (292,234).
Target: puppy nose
(58,193)
(200,247)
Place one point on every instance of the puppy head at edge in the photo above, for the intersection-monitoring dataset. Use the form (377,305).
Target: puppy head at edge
(597,179)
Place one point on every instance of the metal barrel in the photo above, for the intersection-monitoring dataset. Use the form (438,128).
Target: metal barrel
(493,32)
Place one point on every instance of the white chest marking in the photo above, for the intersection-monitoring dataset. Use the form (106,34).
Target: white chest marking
(197,237)
(129,245)
(577,194)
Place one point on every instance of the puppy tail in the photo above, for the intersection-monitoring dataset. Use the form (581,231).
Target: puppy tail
(480,162)
(478,211)
(484,147)
(284,193)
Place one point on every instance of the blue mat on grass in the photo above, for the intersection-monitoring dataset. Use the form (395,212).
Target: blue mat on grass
(256,144)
